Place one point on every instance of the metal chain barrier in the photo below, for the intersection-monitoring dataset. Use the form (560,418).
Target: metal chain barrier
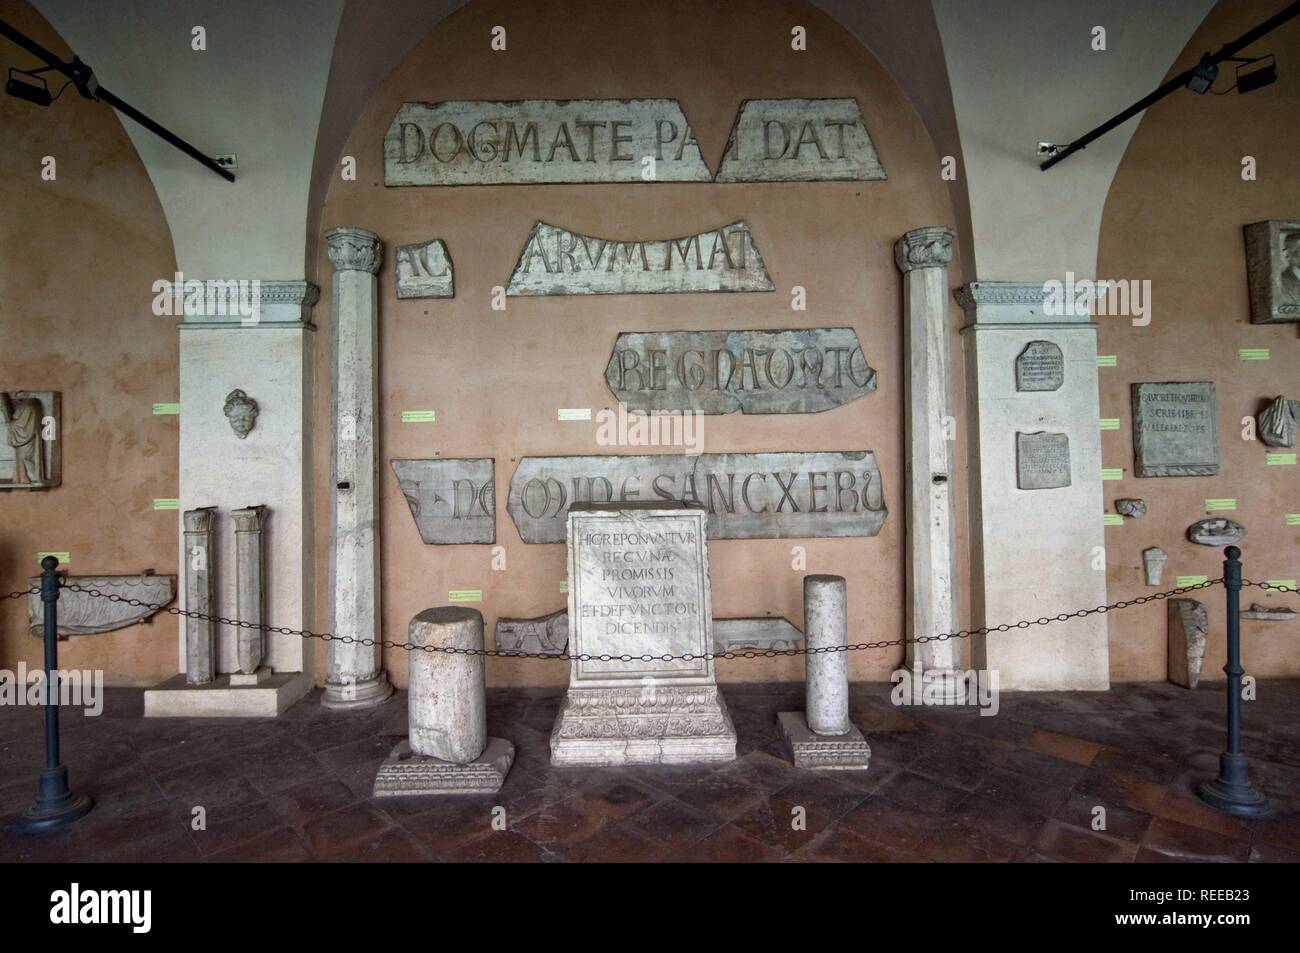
(706,656)
(22,592)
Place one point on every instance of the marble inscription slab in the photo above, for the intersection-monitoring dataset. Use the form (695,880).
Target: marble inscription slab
(451,500)
(1175,429)
(556,261)
(80,613)
(541,141)
(1040,367)
(424,270)
(746,495)
(755,372)
(1273,271)
(1042,461)
(799,140)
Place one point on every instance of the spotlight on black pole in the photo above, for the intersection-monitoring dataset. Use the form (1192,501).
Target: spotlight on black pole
(1232,791)
(55,804)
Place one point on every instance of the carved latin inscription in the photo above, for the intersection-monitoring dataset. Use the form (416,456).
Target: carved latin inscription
(1042,461)
(799,140)
(1040,366)
(541,141)
(756,372)
(1175,430)
(746,495)
(559,262)
(451,500)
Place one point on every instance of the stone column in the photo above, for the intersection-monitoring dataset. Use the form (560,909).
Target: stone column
(446,693)
(1036,493)
(200,595)
(826,626)
(354,677)
(822,736)
(250,596)
(923,255)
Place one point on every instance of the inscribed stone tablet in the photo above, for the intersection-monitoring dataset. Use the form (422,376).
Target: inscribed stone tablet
(756,372)
(799,140)
(1042,461)
(1175,429)
(1040,366)
(451,501)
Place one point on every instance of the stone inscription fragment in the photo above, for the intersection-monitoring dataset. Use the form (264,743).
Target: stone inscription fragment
(1040,367)
(451,500)
(799,140)
(541,141)
(755,372)
(746,495)
(556,261)
(1175,430)
(1042,461)
(424,270)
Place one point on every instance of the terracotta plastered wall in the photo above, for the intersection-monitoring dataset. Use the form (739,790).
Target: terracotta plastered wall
(1174,218)
(497,378)
(78,257)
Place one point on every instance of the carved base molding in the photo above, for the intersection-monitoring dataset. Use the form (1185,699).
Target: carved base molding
(644,724)
(346,696)
(405,773)
(847,752)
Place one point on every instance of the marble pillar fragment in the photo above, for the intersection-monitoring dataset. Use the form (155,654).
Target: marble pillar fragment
(250,597)
(200,595)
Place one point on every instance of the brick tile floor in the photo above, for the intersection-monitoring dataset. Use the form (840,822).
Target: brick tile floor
(945,784)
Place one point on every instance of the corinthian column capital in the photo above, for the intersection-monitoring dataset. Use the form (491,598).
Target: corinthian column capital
(354,249)
(929,247)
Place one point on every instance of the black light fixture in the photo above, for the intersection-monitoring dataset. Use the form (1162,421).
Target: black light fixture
(83,77)
(1198,79)
(31,87)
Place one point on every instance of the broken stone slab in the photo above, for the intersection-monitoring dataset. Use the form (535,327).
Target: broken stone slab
(1188,624)
(1175,429)
(556,261)
(545,635)
(799,140)
(549,634)
(1133,509)
(746,495)
(405,773)
(1153,561)
(1277,422)
(539,141)
(1216,532)
(1265,613)
(1273,270)
(424,270)
(754,372)
(82,614)
(452,500)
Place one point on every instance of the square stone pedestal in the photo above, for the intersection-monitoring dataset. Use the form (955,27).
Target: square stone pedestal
(405,773)
(267,698)
(643,725)
(847,752)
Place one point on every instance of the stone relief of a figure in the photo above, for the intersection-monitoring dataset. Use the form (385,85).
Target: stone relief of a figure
(241,411)
(22,418)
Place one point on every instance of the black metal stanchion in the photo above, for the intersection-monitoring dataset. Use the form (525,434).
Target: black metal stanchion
(1232,791)
(55,804)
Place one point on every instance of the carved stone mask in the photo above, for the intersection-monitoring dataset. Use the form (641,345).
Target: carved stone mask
(241,411)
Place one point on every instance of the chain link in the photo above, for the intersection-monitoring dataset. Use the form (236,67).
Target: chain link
(1267,586)
(647,657)
(23,592)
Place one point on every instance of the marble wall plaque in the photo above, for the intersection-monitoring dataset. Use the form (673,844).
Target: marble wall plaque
(746,495)
(1042,461)
(755,372)
(31,444)
(556,261)
(1175,429)
(541,141)
(451,500)
(1040,367)
(424,270)
(799,140)
(1273,271)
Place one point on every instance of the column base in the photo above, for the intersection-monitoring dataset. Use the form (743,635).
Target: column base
(405,773)
(348,696)
(55,805)
(221,698)
(1232,791)
(666,725)
(846,752)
